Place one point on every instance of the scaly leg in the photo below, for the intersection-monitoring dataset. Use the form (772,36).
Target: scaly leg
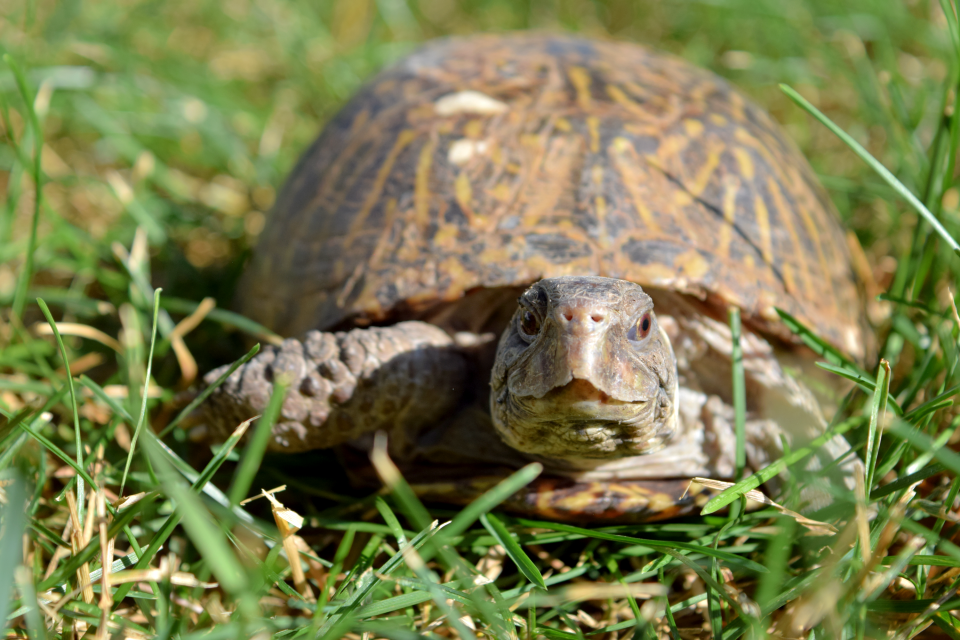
(342,385)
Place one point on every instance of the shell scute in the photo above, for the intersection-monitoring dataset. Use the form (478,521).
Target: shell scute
(496,160)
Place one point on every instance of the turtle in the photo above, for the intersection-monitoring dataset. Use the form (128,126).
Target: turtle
(524,247)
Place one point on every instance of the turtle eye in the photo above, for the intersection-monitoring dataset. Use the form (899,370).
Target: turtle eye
(529,324)
(641,329)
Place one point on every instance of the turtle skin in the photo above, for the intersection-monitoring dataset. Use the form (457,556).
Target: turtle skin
(497,160)
(477,166)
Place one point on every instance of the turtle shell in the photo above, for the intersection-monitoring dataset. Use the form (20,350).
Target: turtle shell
(496,160)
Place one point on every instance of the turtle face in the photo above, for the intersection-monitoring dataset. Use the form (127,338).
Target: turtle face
(584,374)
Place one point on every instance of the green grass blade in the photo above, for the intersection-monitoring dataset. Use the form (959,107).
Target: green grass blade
(906,481)
(909,606)
(57,451)
(932,538)
(653,544)
(225,317)
(208,488)
(923,443)
(8,455)
(948,624)
(513,549)
(739,394)
(670,610)
(369,581)
(867,384)
(939,401)
(166,529)
(406,499)
(121,564)
(491,499)
(952,28)
(819,346)
(98,391)
(12,446)
(776,559)
(754,480)
(340,628)
(20,295)
(203,395)
(53,537)
(708,581)
(872,162)
(391,519)
(13,521)
(146,388)
(257,445)
(23,576)
(441,542)
(390,631)
(198,523)
(73,402)
(556,634)
(898,564)
(926,561)
(88,553)
(878,409)
(346,543)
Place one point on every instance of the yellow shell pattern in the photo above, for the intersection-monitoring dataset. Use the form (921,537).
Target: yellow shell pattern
(494,161)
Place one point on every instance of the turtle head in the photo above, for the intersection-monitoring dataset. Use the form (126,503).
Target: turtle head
(584,374)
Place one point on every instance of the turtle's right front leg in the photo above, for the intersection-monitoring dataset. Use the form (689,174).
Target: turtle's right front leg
(342,385)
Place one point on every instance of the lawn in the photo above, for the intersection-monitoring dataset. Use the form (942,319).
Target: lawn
(158,134)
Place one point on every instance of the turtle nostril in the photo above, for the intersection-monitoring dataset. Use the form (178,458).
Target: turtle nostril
(596,317)
(568,316)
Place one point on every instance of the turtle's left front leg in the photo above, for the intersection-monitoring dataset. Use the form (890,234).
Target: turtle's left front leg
(343,385)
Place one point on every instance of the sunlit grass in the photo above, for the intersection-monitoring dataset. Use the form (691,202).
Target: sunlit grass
(158,134)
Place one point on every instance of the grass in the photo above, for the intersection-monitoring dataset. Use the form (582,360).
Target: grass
(156,135)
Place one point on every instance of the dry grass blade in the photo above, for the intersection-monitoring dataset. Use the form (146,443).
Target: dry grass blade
(130,321)
(816,527)
(288,523)
(888,535)
(106,557)
(121,392)
(193,320)
(814,605)
(863,523)
(60,552)
(128,501)
(599,591)
(394,482)
(84,363)
(78,541)
(180,578)
(80,331)
(386,469)
(188,365)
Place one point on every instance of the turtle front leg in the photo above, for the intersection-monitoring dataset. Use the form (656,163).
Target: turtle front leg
(342,385)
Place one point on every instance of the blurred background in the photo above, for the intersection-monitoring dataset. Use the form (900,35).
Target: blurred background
(183,116)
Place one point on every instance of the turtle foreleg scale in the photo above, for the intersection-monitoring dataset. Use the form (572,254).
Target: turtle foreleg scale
(343,385)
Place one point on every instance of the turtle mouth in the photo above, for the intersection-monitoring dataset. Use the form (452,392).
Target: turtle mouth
(578,390)
(579,401)
(579,425)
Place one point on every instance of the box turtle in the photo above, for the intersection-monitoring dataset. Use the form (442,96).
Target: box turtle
(523,247)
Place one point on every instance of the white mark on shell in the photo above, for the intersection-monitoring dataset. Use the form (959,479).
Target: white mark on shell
(468,102)
(463,149)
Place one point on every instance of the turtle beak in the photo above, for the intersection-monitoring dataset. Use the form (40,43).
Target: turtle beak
(582,328)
